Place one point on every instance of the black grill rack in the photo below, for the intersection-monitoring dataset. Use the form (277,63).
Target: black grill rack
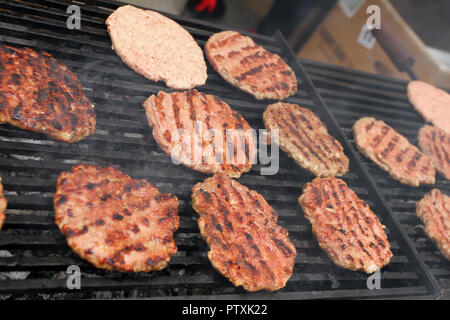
(351,95)
(30,164)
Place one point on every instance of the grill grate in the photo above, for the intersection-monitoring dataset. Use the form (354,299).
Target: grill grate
(30,164)
(353,94)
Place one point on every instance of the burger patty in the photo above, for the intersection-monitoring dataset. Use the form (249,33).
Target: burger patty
(250,67)
(246,244)
(115,222)
(432,103)
(305,139)
(392,152)
(3,204)
(156,47)
(434,211)
(181,121)
(41,94)
(436,144)
(345,227)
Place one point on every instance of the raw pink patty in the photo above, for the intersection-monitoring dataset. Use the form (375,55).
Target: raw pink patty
(432,103)
(157,47)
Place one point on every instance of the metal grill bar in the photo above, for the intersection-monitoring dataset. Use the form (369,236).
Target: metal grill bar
(30,164)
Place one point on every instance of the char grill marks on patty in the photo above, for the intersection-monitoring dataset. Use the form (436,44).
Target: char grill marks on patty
(246,244)
(250,67)
(116,222)
(434,211)
(393,152)
(41,94)
(304,138)
(181,122)
(344,225)
(436,144)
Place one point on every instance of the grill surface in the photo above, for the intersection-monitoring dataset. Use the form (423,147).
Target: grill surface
(30,164)
(351,95)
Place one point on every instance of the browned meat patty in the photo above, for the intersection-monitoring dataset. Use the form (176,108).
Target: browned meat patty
(434,211)
(156,47)
(250,67)
(191,114)
(115,222)
(3,204)
(304,138)
(392,152)
(345,227)
(436,144)
(431,102)
(41,94)
(246,244)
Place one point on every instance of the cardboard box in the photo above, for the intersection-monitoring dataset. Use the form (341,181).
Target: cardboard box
(343,39)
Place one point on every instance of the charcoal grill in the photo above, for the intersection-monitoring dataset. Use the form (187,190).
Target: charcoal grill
(30,164)
(350,95)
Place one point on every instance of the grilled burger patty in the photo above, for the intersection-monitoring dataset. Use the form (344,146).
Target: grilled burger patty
(345,227)
(156,47)
(392,152)
(434,211)
(250,67)
(436,144)
(304,138)
(115,222)
(41,94)
(3,204)
(246,244)
(194,113)
(432,103)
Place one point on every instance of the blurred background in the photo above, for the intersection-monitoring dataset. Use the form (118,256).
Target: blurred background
(332,31)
